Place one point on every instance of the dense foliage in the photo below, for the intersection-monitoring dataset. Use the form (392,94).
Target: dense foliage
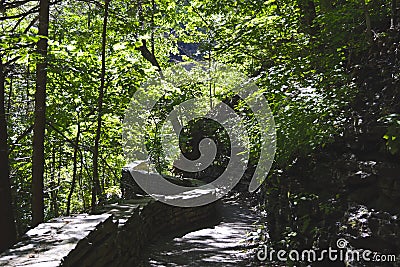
(300,53)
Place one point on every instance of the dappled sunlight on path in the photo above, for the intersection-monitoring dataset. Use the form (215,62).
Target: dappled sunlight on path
(221,245)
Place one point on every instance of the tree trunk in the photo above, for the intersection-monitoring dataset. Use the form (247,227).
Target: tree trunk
(307,16)
(7,223)
(144,50)
(10,93)
(74,171)
(80,177)
(393,20)
(53,184)
(367,21)
(40,118)
(96,188)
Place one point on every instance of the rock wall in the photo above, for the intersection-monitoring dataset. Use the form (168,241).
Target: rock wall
(116,237)
(131,190)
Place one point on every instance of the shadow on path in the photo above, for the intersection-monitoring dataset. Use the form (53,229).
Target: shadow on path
(221,245)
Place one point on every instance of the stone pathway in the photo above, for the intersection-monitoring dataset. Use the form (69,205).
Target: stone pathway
(47,244)
(221,245)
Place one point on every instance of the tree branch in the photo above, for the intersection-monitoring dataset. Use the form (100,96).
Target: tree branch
(148,55)
(19,138)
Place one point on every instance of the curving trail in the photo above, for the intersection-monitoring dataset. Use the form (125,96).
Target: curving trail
(221,245)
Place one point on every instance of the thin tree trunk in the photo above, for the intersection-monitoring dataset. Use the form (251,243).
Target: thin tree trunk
(27,106)
(153,7)
(96,188)
(53,185)
(82,190)
(308,14)
(74,171)
(367,21)
(40,118)
(10,92)
(7,223)
(393,21)
(144,50)
(59,168)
